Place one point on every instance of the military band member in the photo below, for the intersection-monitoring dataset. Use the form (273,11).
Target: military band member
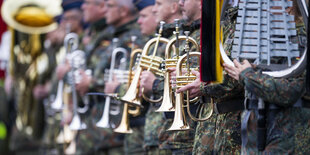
(221,133)
(89,141)
(176,141)
(121,16)
(286,105)
(71,21)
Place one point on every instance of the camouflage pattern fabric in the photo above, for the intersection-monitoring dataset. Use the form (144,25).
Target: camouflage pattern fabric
(227,137)
(221,133)
(134,141)
(89,138)
(157,151)
(93,139)
(154,120)
(153,123)
(288,132)
(204,136)
(178,141)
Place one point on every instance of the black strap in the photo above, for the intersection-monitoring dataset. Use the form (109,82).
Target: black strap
(229,106)
(244,128)
(193,109)
(137,121)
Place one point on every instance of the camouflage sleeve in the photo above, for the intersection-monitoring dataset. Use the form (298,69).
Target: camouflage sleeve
(230,88)
(281,91)
(98,73)
(158,86)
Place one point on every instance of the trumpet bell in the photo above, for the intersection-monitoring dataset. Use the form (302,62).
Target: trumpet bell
(179,122)
(31,16)
(132,92)
(124,125)
(77,124)
(57,104)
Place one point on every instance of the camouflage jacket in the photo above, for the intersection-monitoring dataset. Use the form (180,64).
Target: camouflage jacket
(124,34)
(153,120)
(94,138)
(221,133)
(179,140)
(284,134)
(287,125)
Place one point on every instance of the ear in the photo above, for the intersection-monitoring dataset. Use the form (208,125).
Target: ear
(174,8)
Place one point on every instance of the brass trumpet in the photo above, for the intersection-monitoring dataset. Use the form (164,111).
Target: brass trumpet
(151,63)
(179,121)
(124,124)
(170,62)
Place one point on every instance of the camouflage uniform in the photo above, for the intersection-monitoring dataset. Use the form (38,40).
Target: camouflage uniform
(221,133)
(90,141)
(287,130)
(133,142)
(287,124)
(175,141)
(154,120)
(108,140)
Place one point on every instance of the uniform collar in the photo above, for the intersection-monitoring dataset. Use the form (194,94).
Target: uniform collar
(124,28)
(99,25)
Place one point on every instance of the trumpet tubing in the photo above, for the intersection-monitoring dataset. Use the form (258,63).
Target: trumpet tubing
(104,121)
(145,62)
(124,125)
(71,43)
(171,62)
(179,121)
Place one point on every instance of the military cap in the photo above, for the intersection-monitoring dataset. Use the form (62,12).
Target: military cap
(141,4)
(71,4)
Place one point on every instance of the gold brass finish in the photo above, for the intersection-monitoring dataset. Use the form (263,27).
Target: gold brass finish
(179,121)
(133,90)
(168,104)
(31,16)
(124,124)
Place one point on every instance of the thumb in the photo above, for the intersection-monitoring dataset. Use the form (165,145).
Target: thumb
(196,73)
(185,88)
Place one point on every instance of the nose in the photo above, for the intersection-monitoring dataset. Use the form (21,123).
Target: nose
(139,21)
(181,3)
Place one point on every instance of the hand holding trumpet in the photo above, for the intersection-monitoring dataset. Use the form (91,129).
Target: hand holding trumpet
(147,79)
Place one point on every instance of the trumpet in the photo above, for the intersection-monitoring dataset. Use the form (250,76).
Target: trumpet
(124,124)
(71,44)
(77,60)
(151,63)
(179,121)
(104,121)
(170,62)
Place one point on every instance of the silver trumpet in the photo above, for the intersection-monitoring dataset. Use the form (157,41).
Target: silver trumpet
(71,43)
(77,61)
(104,121)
